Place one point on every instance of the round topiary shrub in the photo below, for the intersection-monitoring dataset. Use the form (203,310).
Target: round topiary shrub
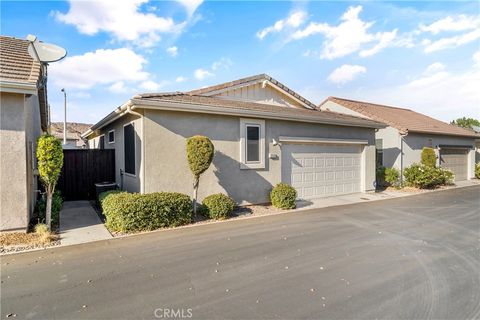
(200,151)
(283,196)
(218,206)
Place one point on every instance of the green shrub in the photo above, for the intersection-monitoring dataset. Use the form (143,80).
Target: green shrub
(283,196)
(218,206)
(424,177)
(41,228)
(50,161)
(392,176)
(380,176)
(477,170)
(131,212)
(103,195)
(429,158)
(200,151)
(57,204)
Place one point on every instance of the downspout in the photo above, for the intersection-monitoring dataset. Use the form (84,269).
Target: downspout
(130,111)
(401,157)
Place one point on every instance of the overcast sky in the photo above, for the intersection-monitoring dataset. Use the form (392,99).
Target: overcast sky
(424,56)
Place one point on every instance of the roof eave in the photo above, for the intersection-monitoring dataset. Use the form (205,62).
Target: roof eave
(200,108)
(18,87)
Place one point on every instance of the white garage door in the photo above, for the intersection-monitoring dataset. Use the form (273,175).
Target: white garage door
(321,170)
(455,160)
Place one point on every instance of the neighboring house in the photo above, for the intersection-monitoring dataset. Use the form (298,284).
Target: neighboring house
(23,118)
(401,143)
(477,143)
(74,130)
(263,132)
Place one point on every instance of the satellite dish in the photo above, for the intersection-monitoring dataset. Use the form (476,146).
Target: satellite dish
(46,52)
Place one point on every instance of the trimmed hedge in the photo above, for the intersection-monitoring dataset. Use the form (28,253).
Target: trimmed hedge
(133,212)
(386,177)
(57,204)
(103,195)
(426,177)
(283,196)
(217,206)
(477,170)
(429,158)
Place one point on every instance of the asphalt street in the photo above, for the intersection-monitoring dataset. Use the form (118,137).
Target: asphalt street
(408,258)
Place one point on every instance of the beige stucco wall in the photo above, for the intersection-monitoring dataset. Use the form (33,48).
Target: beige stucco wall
(32,132)
(167,169)
(15,202)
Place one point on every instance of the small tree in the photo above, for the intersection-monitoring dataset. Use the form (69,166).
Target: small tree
(467,123)
(199,155)
(50,162)
(429,158)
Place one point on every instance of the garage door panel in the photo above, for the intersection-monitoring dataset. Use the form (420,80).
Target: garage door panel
(455,160)
(318,171)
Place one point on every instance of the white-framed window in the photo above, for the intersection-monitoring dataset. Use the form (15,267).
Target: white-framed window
(111,136)
(252,144)
(129,149)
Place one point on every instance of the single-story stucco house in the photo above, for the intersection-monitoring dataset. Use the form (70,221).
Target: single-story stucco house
(74,131)
(263,132)
(23,118)
(400,144)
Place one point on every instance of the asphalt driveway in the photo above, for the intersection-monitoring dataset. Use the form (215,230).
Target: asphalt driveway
(408,258)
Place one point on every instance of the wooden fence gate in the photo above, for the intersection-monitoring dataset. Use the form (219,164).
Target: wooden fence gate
(82,168)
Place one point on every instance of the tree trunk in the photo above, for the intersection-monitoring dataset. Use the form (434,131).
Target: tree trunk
(48,210)
(195,191)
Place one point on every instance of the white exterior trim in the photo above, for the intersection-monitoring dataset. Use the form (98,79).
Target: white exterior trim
(111,142)
(18,87)
(244,164)
(321,140)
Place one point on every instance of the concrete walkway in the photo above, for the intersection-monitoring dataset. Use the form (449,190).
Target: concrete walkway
(79,223)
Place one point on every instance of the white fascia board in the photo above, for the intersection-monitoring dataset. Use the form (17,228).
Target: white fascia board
(198,108)
(286,139)
(18,87)
(112,116)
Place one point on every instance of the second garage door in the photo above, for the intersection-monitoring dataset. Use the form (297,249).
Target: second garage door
(321,170)
(455,160)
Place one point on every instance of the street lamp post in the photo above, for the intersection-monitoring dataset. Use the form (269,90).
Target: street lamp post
(64,116)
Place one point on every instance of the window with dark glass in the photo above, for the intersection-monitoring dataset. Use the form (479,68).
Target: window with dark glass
(111,137)
(101,142)
(129,148)
(253,143)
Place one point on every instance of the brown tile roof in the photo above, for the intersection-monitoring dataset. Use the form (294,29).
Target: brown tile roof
(16,64)
(405,120)
(309,115)
(74,129)
(256,78)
